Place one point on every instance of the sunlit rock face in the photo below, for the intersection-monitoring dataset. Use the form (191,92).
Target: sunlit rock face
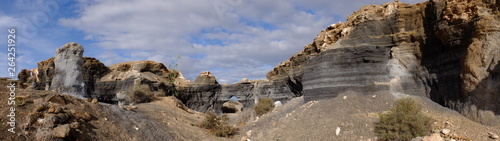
(447,51)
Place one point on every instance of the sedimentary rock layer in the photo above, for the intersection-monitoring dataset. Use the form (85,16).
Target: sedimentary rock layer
(447,51)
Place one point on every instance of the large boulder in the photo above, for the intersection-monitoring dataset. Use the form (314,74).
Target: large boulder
(206,78)
(68,77)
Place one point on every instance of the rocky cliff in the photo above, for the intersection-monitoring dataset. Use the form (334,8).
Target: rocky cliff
(205,94)
(447,51)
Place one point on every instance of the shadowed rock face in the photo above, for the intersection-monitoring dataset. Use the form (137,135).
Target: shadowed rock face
(68,77)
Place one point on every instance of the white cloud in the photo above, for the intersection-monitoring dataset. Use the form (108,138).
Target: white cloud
(250,37)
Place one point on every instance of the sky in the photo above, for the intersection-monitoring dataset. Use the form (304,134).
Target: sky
(233,39)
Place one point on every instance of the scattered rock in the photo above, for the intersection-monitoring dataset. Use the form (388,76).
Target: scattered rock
(433,137)
(417,139)
(492,135)
(39,108)
(278,103)
(130,108)
(244,138)
(345,97)
(61,131)
(445,131)
(95,101)
(74,125)
(52,109)
(337,131)
(55,98)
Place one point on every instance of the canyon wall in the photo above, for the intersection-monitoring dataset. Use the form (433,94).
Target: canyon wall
(447,51)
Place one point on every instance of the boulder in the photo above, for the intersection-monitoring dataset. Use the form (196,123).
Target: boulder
(206,78)
(231,107)
(68,77)
(24,75)
(61,131)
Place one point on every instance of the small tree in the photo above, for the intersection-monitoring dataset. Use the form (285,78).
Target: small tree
(404,121)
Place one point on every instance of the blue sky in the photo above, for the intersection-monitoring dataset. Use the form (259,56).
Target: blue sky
(233,39)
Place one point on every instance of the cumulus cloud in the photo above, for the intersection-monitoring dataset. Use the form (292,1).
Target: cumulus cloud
(232,38)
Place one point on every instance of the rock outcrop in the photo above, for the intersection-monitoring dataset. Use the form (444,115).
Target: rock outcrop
(444,50)
(203,96)
(68,77)
(123,76)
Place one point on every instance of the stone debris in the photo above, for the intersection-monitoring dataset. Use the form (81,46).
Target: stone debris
(61,131)
(95,101)
(433,137)
(493,135)
(445,131)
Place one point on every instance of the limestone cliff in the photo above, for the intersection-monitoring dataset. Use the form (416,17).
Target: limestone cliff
(447,51)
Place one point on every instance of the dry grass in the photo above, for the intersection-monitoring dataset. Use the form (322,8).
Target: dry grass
(264,106)
(218,125)
(141,94)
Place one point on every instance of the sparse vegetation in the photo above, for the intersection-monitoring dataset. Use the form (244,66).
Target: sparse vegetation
(20,100)
(403,122)
(173,75)
(218,125)
(264,106)
(141,94)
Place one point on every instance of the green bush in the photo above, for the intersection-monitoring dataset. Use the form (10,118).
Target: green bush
(404,121)
(264,106)
(218,125)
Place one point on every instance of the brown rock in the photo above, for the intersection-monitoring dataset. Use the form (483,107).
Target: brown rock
(95,101)
(433,137)
(52,109)
(24,75)
(61,131)
(55,98)
(75,125)
(206,78)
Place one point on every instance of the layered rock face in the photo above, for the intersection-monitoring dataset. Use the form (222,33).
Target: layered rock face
(123,76)
(68,76)
(447,51)
(207,95)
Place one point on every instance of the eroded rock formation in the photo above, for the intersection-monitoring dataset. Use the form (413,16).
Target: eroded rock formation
(68,77)
(447,51)
(203,96)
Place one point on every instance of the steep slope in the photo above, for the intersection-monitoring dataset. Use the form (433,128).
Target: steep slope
(36,119)
(353,114)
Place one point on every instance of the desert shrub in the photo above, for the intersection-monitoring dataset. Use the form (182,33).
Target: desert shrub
(141,94)
(218,125)
(171,76)
(404,121)
(264,106)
